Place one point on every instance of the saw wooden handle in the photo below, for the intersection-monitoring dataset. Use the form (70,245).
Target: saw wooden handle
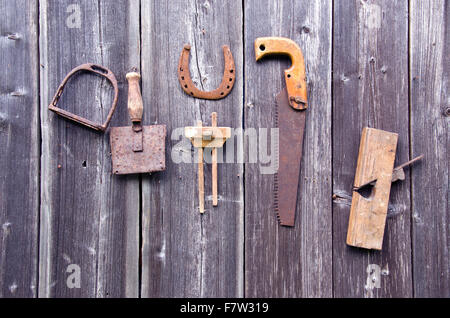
(295,75)
(135,105)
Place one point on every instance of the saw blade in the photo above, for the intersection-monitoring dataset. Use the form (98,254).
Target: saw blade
(291,127)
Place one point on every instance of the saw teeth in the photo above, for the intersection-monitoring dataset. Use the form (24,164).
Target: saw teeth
(275,176)
(276,115)
(275,196)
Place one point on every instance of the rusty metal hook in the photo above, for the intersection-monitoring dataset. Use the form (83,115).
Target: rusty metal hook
(229,76)
(88,67)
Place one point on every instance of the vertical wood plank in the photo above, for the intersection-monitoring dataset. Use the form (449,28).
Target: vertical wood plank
(370,88)
(281,261)
(430,111)
(89,217)
(184,253)
(19,144)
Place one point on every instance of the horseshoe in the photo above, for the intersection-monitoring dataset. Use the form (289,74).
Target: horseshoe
(229,76)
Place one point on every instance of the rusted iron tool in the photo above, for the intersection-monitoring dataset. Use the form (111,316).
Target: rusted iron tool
(397,174)
(92,68)
(372,186)
(229,76)
(290,120)
(137,148)
(207,137)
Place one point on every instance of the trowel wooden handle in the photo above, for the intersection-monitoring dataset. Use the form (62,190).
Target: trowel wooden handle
(135,106)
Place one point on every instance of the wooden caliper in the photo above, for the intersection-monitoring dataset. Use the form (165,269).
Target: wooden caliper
(207,137)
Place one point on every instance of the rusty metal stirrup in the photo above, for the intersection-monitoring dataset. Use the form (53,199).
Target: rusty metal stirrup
(93,68)
(229,76)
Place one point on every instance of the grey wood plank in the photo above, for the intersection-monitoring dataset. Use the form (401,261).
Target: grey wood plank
(185,254)
(370,88)
(430,111)
(89,217)
(19,144)
(281,261)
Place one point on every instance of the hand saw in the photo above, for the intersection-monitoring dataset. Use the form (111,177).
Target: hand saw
(290,120)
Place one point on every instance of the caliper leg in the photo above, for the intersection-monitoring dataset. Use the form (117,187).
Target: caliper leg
(201,184)
(214,162)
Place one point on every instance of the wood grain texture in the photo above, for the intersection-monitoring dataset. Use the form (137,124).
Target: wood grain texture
(185,253)
(19,144)
(281,261)
(430,110)
(88,216)
(368,212)
(370,88)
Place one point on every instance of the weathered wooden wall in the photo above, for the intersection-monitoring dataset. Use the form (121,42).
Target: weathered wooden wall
(282,261)
(376,63)
(429,132)
(184,253)
(20,149)
(89,217)
(370,88)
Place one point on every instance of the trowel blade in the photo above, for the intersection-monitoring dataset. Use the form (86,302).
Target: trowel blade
(125,158)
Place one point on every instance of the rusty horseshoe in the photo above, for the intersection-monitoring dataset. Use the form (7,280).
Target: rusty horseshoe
(227,80)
